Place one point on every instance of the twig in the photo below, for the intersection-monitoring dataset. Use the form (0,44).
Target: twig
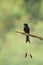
(29,35)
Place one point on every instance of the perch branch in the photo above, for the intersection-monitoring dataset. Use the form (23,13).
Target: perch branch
(29,35)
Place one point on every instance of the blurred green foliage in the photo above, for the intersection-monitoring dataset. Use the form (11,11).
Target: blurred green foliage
(13,14)
(33,7)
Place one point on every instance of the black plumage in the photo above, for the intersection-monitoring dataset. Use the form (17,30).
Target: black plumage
(30,56)
(27,30)
(25,55)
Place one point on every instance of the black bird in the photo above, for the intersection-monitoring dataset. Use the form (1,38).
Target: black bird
(27,30)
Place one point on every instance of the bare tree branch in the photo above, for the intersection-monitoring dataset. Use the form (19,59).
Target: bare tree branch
(29,35)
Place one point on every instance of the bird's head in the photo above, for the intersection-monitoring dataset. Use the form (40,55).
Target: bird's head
(25,24)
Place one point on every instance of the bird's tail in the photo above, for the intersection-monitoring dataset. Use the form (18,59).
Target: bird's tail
(27,39)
